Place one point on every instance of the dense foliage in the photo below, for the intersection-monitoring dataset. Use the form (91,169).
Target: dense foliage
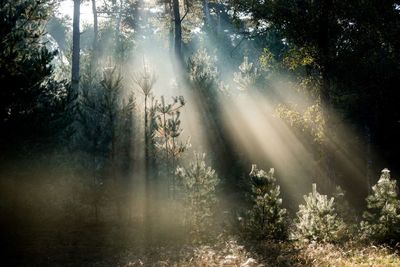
(199,188)
(267,219)
(381,220)
(29,98)
(317,219)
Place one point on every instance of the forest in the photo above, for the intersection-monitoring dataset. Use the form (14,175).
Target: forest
(199,133)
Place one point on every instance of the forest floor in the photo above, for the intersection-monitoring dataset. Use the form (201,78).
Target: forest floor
(106,245)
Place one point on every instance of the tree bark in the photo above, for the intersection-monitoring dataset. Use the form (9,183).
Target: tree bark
(169,13)
(118,21)
(148,205)
(95,26)
(178,31)
(206,13)
(324,50)
(75,49)
(368,159)
(95,47)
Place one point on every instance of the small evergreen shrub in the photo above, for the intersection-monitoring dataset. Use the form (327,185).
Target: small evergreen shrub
(202,70)
(267,218)
(381,220)
(317,220)
(199,183)
(247,76)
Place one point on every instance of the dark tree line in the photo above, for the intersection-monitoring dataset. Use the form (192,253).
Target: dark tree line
(31,101)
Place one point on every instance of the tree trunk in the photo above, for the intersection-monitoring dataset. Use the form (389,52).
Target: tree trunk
(368,159)
(95,27)
(75,49)
(178,31)
(218,27)
(169,13)
(324,50)
(118,22)
(206,13)
(147,206)
(94,58)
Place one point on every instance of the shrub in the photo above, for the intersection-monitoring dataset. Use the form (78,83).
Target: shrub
(199,185)
(381,220)
(317,220)
(267,218)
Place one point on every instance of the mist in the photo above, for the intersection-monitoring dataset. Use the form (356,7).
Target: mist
(199,133)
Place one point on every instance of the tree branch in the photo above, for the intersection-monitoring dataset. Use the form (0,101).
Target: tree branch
(187,11)
(247,35)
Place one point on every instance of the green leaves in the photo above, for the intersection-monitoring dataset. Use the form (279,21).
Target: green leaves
(381,221)
(28,91)
(311,120)
(202,70)
(199,183)
(317,219)
(299,57)
(267,219)
(145,80)
(247,75)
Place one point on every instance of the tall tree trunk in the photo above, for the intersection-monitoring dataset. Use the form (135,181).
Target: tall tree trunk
(206,13)
(148,197)
(75,49)
(95,26)
(118,22)
(94,59)
(178,31)
(368,158)
(95,202)
(324,50)
(169,13)
(219,15)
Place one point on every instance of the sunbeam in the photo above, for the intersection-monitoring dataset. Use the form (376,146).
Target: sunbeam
(199,133)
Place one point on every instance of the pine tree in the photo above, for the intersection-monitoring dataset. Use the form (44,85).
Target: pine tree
(199,183)
(145,81)
(267,219)
(105,122)
(166,134)
(203,72)
(381,221)
(317,220)
(247,75)
(31,102)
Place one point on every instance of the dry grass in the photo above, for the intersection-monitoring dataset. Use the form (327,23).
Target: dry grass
(351,254)
(223,253)
(231,253)
(109,245)
(228,253)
